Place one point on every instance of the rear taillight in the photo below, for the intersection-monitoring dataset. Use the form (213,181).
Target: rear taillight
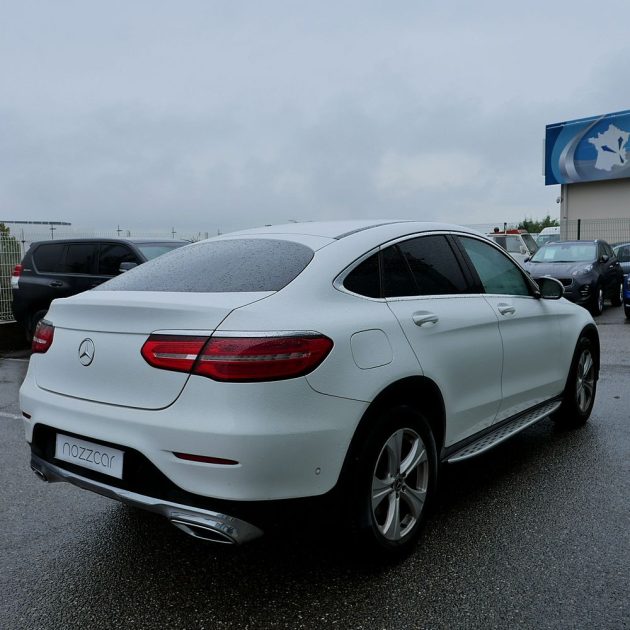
(238,359)
(15,276)
(43,337)
(170,352)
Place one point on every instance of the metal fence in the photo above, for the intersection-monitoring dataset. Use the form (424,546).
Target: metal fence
(10,255)
(611,230)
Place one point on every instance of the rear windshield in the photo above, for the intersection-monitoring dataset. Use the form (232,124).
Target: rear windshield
(239,265)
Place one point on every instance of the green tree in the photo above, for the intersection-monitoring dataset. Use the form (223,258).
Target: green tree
(536,227)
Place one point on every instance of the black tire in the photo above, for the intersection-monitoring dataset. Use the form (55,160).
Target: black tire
(35,319)
(626,309)
(581,387)
(616,299)
(383,492)
(597,301)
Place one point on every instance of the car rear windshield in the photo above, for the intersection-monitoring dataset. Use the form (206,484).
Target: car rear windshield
(234,265)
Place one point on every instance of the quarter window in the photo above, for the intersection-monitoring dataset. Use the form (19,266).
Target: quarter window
(364,278)
(112,255)
(498,274)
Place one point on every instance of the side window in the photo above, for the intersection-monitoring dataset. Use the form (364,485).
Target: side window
(500,240)
(80,258)
(47,258)
(514,244)
(623,254)
(397,278)
(609,250)
(498,274)
(434,266)
(112,254)
(364,278)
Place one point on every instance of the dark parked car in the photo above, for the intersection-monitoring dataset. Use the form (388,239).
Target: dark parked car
(622,252)
(61,268)
(588,270)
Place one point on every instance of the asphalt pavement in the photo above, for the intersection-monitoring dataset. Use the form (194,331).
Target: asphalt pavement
(534,534)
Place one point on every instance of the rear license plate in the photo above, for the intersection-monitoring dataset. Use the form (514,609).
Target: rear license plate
(103,459)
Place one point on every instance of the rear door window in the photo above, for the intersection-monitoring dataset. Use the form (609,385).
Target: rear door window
(234,265)
(47,258)
(398,281)
(80,258)
(434,266)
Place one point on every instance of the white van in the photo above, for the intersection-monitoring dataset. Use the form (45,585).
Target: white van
(519,244)
(548,235)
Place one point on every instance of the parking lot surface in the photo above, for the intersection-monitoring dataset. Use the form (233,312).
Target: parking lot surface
(534,534)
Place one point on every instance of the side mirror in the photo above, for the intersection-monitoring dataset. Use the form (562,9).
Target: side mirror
(126,266)
(527,259)
(550,288)
(605,258)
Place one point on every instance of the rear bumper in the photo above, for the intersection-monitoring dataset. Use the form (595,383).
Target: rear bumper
(206,524)
(289,441)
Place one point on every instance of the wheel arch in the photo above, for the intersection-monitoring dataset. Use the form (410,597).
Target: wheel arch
(418,392)
(590,331)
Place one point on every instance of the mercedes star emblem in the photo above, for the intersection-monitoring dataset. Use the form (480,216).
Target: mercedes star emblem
(86,352)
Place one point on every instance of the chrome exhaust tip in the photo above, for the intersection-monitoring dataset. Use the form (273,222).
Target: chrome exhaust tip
(39,473)
(203,532)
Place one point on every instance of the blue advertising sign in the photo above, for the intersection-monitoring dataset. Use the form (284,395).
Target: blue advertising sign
(588,149)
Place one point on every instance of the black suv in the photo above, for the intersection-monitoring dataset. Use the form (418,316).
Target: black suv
(589,271)
(60,268)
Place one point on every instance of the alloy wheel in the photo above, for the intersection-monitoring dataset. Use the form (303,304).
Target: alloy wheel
(399,484)
(585,385)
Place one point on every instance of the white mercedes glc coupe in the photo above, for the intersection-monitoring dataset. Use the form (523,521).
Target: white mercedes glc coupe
(347,360)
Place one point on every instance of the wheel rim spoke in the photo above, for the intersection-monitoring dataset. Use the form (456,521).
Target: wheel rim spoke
(391,528)
(581,399)
(416,456)
(381,488)
(394,450)
(415,500)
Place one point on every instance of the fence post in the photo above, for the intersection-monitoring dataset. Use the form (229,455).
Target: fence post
(579,228)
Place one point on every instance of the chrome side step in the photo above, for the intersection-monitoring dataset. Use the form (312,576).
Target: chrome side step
(503,432)
(200,523)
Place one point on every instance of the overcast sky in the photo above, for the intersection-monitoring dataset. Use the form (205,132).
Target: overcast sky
(204,115)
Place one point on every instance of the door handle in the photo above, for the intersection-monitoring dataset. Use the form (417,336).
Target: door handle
(423,317)
(55,283)
(506,309)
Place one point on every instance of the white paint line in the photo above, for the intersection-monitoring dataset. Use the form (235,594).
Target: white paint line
(3,414)
(13,359)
